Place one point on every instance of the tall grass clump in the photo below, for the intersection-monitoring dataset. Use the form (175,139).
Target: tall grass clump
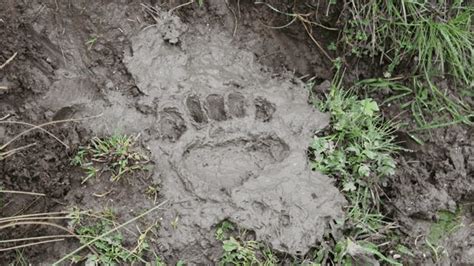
(436,35)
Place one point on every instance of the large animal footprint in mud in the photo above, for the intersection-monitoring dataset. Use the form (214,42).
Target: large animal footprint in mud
(231,137)
(247,152)
(231,141)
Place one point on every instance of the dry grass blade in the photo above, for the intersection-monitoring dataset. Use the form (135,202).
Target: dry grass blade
(22,192)
(8,60)
(30,244)
(19,217)
(306,24)
(40,127)
(33,127)
(310,34)
(9,153)
(15,223)
(36,219)
(34,238)
(180,6)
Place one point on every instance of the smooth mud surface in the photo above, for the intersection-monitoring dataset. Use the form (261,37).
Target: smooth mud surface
(226,128)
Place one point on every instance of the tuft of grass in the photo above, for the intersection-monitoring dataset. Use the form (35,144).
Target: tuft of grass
(109,249)
(152,191)
(237,253)
(223,230)
(104,235)
(114,155)
(238,250)
(437,35)
(20,259)
(359,147)
(91,42)
(96,231)
(429,105)
(447,223)
(433,39)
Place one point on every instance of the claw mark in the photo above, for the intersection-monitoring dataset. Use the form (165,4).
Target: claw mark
(215,107)
(236,104)
(195,110)
(265,109)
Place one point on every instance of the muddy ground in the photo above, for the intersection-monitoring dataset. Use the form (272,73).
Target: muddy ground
(217,99)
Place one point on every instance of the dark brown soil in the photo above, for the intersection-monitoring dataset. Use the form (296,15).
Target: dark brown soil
(58,75)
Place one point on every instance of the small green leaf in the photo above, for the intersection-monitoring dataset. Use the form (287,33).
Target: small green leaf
(349,186)
(353,148)
(332,46)
(230,245)
(363,170)
(320,144)
(404,250)
(369,107)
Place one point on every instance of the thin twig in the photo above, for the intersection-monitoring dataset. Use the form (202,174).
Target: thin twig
(27,207)
(37,219)
(22,192)
(236,21)
(33,127)
(47,224)
(314,40)
(180,6)
(31,244)
(9,153)
(37,223)
(8,60)
(5,117)
(19,217)
(43,125)
(33,238)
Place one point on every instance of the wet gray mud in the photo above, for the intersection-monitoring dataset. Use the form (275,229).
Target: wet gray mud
(228,138)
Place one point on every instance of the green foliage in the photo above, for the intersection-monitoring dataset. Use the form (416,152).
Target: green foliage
(113,155)
(348,252)
(357,150)
(360,144)
(238,251)
(223,230)
(159,262)
(110,249)
(446,224)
